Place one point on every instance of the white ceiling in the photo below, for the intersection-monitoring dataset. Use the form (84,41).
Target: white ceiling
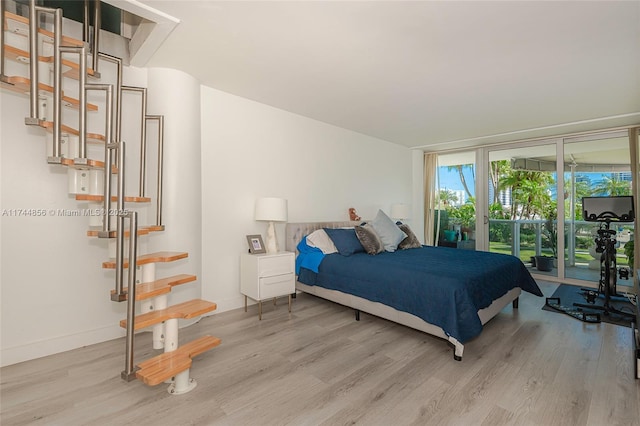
(427,74)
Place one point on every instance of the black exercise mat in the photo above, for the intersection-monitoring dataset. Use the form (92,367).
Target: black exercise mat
(570,294)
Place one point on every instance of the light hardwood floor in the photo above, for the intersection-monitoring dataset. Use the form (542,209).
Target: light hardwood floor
(318,366)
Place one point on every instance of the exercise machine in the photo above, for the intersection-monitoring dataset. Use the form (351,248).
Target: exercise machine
(605,210)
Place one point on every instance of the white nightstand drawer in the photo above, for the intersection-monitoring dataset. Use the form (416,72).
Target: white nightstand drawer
(278,285)
(276,265)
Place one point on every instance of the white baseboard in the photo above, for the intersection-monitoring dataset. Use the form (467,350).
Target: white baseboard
(29,351)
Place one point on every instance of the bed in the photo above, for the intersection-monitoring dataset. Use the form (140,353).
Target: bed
(444,292)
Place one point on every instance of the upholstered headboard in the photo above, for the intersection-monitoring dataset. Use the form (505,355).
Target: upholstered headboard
(295,231)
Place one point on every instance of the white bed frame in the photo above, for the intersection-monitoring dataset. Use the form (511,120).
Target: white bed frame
(295,232)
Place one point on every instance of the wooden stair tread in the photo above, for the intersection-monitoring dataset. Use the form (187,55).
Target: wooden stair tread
(70,69)
(114,233)
(142,230)
(20,25)
(158,369)
(186,310)
(90,164)
(161,256)
(22,85)
(154,228)
(161,286)
(91,137)
(128,199)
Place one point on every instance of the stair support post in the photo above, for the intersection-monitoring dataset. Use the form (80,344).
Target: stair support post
(171,335)
(148,274)
(182,383)
(129,372)
(160,330)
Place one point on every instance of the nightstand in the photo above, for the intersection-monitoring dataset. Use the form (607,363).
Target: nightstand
(266,276)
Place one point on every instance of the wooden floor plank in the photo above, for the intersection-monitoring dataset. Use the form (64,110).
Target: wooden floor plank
(316,365)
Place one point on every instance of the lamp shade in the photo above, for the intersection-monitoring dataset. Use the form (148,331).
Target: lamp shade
(399,211)
(271,209)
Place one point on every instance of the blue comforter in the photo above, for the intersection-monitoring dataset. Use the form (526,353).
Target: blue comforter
(445,287)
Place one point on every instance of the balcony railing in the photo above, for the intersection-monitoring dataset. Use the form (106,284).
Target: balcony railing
(541,243)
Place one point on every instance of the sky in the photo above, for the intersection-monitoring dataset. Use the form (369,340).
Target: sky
(449,179)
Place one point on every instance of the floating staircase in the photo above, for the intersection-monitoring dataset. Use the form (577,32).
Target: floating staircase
(41,52)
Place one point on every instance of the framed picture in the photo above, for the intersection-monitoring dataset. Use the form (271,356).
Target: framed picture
(256,246)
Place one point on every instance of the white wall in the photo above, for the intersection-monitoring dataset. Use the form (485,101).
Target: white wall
(252,150)
(55,294)
(222,152)
(179,103)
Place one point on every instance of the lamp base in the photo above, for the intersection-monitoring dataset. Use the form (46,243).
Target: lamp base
(272,239)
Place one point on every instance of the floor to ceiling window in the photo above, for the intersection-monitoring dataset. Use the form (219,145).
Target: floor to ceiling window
(522,205)
(596,165)
(457,200)
(531,201)
(535,202)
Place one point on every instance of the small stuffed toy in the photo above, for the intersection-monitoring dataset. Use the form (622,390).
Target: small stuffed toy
(353,216)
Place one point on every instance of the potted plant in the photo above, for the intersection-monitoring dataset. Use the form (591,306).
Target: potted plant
(628,251)
(544,263)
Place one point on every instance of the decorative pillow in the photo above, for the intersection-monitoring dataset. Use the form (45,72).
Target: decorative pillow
(411,241)
(369,239)
(345,240)
(388,231)
(321,240)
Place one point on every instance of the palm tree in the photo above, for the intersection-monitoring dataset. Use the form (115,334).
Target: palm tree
(446,197)
(497,170)
(529,192)
(460,168)
(612,186)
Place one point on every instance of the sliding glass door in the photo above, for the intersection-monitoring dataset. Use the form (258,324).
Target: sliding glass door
(596,165)
(533,208)
(457,200)
(522,205)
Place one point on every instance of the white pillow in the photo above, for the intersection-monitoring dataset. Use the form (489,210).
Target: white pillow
(388,231)
(321,240)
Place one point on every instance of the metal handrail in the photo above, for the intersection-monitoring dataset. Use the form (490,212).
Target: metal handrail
(86,34)
(143,137)
(34,118)
(3,78)
(118,93)
(82,110)
(120,210)
(108,164)
(129,372)
(108,89)
(160,119)
(95,44)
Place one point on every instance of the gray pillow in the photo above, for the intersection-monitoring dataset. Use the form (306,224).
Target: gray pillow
(369,239)
(411,241)
(388,231)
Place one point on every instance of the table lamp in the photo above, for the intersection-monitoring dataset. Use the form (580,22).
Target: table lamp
(271,210)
